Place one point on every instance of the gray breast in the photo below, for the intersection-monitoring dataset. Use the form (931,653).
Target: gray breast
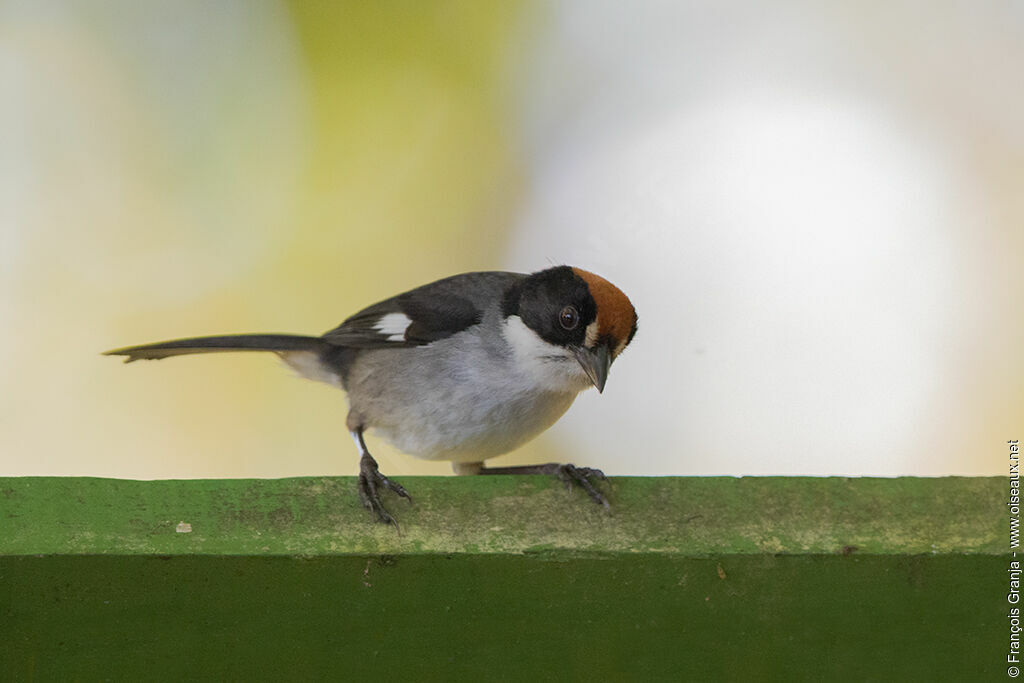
(461,400)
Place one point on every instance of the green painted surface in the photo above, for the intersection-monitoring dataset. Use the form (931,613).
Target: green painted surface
(661,515)
(505,579)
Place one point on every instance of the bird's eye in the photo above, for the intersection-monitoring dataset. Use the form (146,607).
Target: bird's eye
(569,318)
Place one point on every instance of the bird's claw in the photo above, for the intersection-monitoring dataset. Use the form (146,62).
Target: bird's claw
(570,474)
(370,482)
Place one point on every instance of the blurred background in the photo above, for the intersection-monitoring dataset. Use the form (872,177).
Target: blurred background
(818,211)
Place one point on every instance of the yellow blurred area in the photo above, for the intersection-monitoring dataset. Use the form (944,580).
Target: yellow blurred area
(200,169)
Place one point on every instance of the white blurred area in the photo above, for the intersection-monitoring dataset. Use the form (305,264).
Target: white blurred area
(818,212)
(115,110)
(130,191)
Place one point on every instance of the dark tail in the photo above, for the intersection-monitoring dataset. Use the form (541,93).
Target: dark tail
(234,342)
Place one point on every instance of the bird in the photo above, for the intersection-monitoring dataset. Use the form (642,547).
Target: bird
(462,369)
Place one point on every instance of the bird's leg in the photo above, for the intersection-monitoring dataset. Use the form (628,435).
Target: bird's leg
(567,474)
(370,479)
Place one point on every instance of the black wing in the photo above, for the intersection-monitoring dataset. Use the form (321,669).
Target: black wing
(425,314)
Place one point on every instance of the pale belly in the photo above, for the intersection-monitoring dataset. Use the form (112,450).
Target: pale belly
(474,431)
(431,403)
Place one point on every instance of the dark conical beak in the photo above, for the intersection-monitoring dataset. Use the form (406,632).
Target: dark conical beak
(595,363)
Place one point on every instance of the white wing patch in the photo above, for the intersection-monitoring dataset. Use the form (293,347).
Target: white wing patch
(393,325)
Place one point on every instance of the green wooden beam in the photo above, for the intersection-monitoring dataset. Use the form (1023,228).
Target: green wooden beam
(511,578)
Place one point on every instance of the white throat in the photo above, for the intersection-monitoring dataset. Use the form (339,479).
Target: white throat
(546,366)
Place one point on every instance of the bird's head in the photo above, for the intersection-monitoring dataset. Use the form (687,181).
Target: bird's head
(567,325)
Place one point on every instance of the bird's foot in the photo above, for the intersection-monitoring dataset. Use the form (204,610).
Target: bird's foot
(570,474)
(370,483)
(566,473)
